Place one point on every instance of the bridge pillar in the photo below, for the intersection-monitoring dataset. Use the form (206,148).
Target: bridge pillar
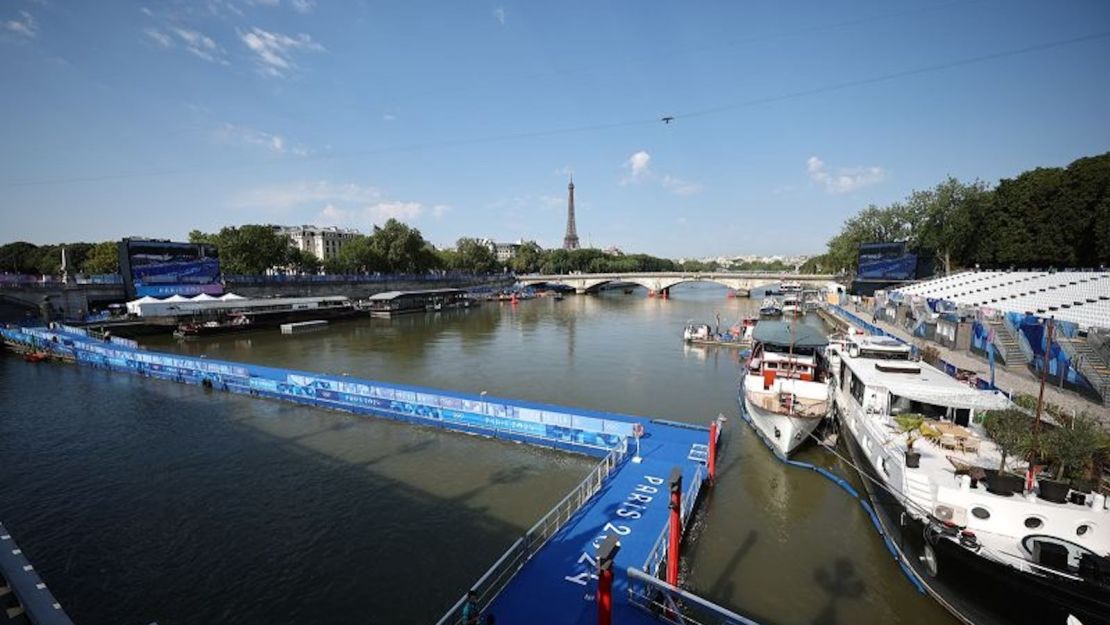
(651,292)
(665,293)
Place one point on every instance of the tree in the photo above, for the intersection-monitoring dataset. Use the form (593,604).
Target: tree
(940,219)
(1011,431)
(402,248)
(359,255)
(103,258)
(473,256)
(1074,446)
(528,258)
(301,261)
(247,250)
(18,257)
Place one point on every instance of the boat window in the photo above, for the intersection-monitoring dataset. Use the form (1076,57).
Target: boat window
(1034,522)
(1082,530)
(883,354)
(901,405)
(980,512)
(856,389)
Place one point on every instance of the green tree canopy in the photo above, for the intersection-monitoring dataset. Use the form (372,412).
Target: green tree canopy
(1045,217)
(103,258)
(473,256)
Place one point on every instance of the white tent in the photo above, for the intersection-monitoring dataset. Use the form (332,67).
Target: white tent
(176,298)
(134,305)
(204,297)
(231,297)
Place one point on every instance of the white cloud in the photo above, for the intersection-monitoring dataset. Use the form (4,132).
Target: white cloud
(334,204)
(159,37)
(639,164)
(565,170)
(242,135)
(274,51)
(679,186)
(640,170)
(843,179)
(24,26)
(303,6)
(499,15)
(388,117)
(200,45)
(299,194)
(378,213)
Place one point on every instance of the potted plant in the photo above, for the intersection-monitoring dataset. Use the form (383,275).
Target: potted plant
(1011,431)
(910,425)
(1073,448)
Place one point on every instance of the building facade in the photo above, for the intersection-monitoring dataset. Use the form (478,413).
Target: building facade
(323,243)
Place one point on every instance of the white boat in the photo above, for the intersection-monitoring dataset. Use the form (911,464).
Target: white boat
(784,393)
(770,307)
(988,549)
(790,286)
(697,332)
(792,305)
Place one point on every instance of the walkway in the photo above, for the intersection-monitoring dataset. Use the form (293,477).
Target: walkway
(557,586)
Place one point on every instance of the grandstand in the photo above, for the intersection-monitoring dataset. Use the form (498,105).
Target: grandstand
(1081,297)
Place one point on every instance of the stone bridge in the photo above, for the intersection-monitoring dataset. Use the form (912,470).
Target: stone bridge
(661,283)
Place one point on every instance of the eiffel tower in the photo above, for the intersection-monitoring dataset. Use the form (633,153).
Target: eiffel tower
(570,241)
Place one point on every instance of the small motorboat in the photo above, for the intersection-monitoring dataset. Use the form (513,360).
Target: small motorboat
(237,323)
(35,356)
(792,306)
(770,307)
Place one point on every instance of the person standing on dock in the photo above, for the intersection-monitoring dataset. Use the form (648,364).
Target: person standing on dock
(471,611)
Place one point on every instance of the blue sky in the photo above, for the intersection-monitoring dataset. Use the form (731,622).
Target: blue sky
(464,118)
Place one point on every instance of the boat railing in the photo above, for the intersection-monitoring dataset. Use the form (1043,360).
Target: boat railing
(494,580)
(658,551)
(778,402)
(676,606)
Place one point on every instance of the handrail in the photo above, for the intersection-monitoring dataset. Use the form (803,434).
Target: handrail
(661,599)
(1019,336)
(494,580)
(658,551)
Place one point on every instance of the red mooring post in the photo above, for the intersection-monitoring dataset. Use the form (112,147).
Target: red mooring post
(712,464)
(605,556)
(673,554)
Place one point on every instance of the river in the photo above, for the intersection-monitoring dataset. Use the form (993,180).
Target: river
(143,501)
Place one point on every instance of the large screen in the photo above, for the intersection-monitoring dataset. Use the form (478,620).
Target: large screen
(886,261)
(164,268)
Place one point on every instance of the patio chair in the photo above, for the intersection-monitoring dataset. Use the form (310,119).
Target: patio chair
(948,441)
(970,445)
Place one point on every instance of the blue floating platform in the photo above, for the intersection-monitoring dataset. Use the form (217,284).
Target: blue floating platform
(556,582)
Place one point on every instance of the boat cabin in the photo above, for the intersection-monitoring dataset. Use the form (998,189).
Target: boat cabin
(787,350)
